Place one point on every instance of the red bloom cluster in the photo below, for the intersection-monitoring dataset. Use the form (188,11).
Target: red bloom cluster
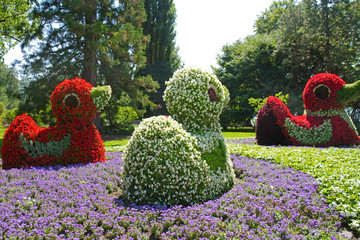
(342,134)
(320,100)
(78,90)
(74,109)
(332,82)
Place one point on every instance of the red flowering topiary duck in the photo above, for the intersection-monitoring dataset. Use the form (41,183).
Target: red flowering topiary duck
(324,123)
(73,140)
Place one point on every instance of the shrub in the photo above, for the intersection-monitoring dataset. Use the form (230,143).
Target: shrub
(258,103)
(2,112)
(121,121)
(2,108)
(10,116)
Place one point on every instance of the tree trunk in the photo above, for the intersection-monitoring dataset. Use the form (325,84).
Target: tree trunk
(90,63)
(328,60)
(89,67)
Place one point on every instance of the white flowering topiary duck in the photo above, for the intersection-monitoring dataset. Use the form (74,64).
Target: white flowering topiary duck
(182,159)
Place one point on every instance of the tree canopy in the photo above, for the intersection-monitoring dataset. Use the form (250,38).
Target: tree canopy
(303,38)
(15,22)
(248,68)
(9,87)
(100,41)
(161,52)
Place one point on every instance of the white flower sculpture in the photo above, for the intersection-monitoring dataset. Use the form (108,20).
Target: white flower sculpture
(181,159)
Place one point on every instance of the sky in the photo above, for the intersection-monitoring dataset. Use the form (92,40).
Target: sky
(203,27)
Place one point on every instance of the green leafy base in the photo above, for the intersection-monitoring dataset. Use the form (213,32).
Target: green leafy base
(39,149)
(217,158)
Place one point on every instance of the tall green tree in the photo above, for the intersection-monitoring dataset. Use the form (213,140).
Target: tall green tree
(160,26)
(15,22)
(268,21)
(162,57)
(295,51)
(101,41)
(9,87)
(248,68)
(318,36)
(309,37)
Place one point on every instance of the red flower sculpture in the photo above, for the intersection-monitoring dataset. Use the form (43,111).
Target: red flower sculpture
(324,123)
(73,140)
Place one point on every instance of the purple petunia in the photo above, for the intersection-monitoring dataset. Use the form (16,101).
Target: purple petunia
(242,141)
(79,201)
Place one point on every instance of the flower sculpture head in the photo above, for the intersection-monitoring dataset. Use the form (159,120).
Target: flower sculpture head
(327,91)
(78,101)
(196,99)
(320,92)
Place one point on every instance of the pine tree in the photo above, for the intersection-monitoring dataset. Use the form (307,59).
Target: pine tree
(100,41)
(161,53)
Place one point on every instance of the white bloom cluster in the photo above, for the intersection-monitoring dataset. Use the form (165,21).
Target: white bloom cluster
(101,96)
(331,113)
(163,165)
(312,135)
(182,160)
(208,141)
(355,224)
(188,99)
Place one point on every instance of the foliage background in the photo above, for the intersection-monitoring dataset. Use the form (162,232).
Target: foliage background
(293,41)
(131,46)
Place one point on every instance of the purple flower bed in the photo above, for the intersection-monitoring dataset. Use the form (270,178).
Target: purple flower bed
(78,202)
(242,141)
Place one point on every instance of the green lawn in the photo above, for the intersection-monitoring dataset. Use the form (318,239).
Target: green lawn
(225,134)
(2,131)
(239,134)
(114,143)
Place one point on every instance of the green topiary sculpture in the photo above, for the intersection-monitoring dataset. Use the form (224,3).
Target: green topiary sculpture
(181,159)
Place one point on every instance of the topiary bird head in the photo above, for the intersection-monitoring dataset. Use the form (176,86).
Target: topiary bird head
(78,101)
(326,91)
(196,99)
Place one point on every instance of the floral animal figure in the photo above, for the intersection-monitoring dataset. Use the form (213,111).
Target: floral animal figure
(324,123)
(180,159)
(73,140)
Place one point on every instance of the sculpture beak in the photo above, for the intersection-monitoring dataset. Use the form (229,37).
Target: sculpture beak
(101,96)
(349,93)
